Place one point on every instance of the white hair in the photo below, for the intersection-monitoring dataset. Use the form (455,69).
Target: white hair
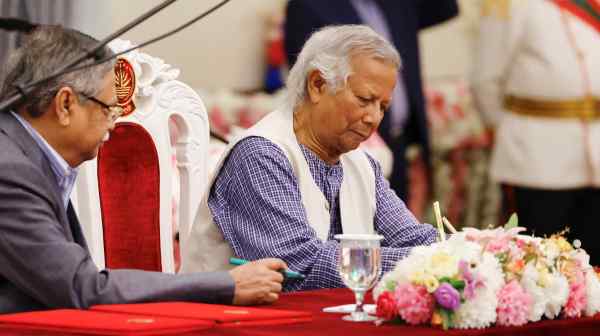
(329,50)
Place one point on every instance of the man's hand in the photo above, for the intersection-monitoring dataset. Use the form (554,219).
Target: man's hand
(257,282)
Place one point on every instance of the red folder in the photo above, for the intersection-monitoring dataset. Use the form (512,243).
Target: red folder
(229,316)
(87,322)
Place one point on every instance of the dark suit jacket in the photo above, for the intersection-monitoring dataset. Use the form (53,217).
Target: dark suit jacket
(404,18)
(44,259)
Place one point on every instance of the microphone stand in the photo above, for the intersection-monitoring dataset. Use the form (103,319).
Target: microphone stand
(24,90)
(10,23)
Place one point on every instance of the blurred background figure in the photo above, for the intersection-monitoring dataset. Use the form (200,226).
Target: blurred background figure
(400,23)
(536,83)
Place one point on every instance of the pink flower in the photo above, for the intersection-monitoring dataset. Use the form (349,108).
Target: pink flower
(415,305)
(514,305)
(472,282)
(386,306)
(577,300)
(498,245)
(515,251)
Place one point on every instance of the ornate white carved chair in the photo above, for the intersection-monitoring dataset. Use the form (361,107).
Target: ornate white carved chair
(124,197)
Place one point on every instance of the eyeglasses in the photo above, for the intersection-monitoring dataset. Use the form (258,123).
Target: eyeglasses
(112,112)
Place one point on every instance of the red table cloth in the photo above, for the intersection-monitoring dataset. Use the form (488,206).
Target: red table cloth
(330,324)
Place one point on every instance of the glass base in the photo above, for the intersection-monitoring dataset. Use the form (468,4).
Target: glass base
(359,317)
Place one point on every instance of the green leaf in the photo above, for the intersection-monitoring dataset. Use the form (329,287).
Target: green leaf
(513,222)
(390,285)
(451,318)
(445,279)
(447,317)
(458,284)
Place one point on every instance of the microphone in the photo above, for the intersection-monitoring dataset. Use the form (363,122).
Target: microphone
(23,90)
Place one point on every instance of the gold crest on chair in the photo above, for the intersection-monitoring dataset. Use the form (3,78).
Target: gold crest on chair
(125,85)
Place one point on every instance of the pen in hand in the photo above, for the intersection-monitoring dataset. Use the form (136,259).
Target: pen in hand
(287,273)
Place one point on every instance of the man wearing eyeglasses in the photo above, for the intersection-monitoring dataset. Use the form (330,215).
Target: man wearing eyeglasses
(44,259)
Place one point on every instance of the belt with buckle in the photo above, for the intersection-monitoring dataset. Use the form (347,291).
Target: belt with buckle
(585,108)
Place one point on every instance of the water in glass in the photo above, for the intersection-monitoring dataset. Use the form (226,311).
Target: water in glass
(359,266)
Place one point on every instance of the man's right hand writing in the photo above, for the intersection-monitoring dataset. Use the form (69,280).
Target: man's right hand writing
(257,282)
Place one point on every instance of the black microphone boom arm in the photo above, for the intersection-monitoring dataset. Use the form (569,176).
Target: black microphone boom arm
(23,90)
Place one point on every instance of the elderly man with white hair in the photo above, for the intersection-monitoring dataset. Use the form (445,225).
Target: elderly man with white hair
(286,186)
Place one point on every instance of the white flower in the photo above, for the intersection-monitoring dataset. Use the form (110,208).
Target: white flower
(463,249)
(592,289)
(530,239)
(557,293)
(529,281)
(442,264)
(491,271)
(550,250)
(583,258)
(480,311)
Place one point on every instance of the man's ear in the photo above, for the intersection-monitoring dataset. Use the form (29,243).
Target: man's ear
(316,86)
(64,100)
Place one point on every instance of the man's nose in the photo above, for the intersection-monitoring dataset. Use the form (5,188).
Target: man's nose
(374,113)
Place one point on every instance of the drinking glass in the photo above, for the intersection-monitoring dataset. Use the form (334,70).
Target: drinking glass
(359,265)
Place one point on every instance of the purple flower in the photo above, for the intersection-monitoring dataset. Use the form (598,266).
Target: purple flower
(447,296)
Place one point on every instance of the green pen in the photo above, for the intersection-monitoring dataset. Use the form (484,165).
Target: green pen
(287,273)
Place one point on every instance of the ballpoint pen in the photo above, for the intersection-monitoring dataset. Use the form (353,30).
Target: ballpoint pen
(287,273)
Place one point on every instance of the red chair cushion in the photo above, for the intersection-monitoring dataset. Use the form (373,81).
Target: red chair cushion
(129,187)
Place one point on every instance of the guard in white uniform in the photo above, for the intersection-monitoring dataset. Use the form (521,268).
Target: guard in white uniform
(537,83)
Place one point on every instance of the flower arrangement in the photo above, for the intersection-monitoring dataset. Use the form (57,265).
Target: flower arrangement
(478,278)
